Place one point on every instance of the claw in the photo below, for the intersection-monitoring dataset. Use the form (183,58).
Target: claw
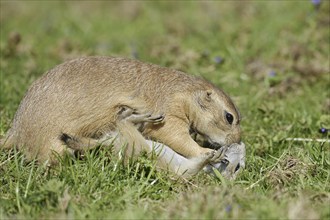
(157,118)
(126,111)
(136,117)
(219,155)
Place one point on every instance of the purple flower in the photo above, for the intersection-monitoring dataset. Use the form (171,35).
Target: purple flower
(272,73)
(324,130)
(316,2)
(134,52)
(228,208)
(218,60)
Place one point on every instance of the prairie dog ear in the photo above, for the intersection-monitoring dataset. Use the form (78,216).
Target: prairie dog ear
(204,98)
(208,95)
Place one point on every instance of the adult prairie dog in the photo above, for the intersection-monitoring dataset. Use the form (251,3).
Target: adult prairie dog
(82,97)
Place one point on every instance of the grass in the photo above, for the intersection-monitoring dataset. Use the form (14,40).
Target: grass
(272,57)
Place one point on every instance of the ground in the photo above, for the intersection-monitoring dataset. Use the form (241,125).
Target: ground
(272,57)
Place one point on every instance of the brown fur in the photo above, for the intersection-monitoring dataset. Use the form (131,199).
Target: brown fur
(82,97)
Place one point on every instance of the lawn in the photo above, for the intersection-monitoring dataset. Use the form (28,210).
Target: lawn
(272,57)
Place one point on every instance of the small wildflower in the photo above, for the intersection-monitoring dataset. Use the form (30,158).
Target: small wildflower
(134,53)
(228,208)
(324,130)
(218,60)
(272,73)
(316,3)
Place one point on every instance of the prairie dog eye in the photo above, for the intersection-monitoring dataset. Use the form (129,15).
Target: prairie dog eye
(229,118)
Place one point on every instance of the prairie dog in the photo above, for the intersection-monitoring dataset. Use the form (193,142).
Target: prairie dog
(82,97)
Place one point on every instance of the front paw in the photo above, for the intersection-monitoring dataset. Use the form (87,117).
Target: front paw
(217,155)
(146,118)
(155,119)
(125,112)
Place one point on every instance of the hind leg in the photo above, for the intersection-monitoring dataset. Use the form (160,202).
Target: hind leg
(50,155)
(126,117)
(126,140)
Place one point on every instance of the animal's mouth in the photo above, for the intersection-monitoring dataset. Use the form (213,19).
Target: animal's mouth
(212,145)
(204,140)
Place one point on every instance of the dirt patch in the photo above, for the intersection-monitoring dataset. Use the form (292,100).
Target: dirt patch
(288,170)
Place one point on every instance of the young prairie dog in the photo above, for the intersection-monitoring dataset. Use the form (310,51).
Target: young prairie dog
(81,97)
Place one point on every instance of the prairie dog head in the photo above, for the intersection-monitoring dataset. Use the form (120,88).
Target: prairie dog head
(215,117)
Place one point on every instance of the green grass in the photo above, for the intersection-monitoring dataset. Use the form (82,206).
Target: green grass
(282,179)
